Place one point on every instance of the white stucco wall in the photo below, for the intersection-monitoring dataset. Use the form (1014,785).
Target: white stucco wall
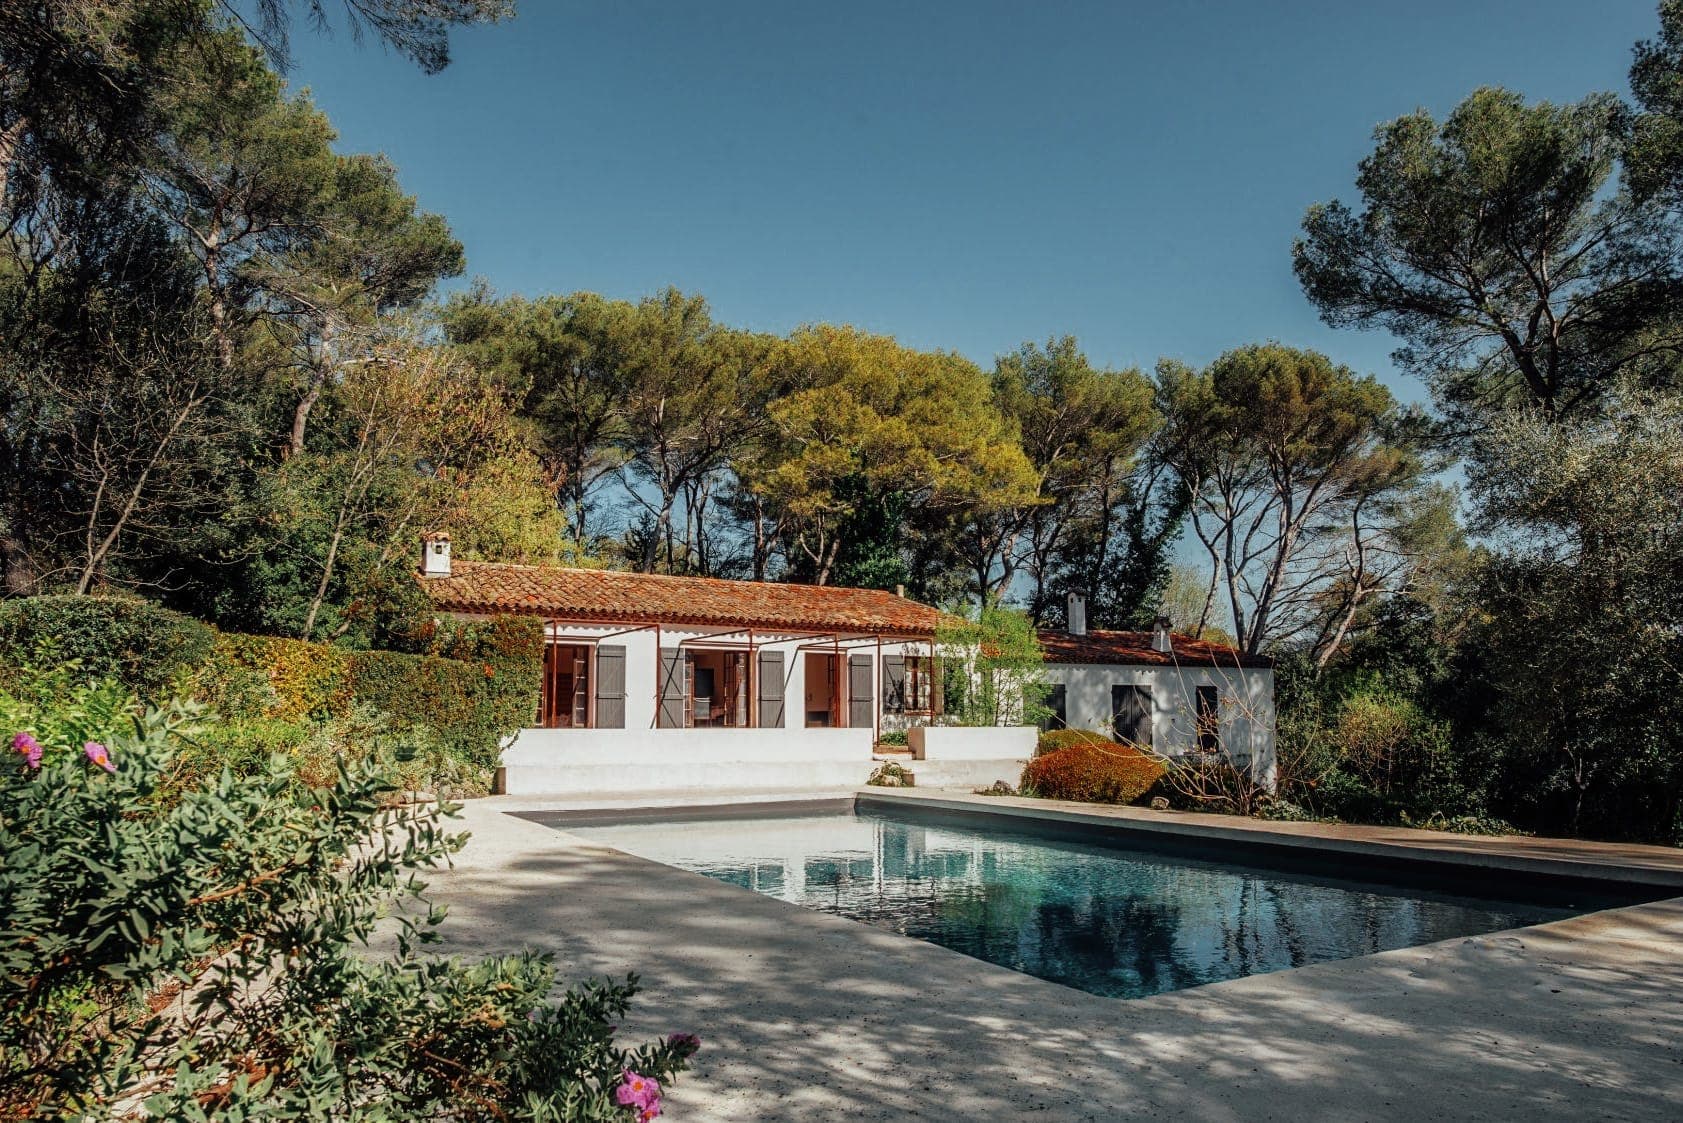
(641,756)
(1246,697)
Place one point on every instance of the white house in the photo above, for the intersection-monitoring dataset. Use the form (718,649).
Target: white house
(688,682)
(1161,690)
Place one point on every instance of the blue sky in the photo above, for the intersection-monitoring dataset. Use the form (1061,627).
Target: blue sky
(965,175)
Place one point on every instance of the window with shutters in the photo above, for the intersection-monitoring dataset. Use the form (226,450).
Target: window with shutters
(920,678)
(564,700)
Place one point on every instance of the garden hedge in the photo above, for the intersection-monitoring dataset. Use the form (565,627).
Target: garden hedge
(144,645)
(478,686)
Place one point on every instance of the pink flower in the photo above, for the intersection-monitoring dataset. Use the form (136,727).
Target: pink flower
(96,753)
(685,1043)
(29,747)
(639,1092)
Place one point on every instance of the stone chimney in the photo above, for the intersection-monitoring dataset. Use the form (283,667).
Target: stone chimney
(435,554)
(1075,614)
(1160,636)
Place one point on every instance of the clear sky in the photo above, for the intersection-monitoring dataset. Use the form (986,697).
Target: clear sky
(966,175)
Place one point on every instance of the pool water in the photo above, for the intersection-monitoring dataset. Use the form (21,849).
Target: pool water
(1109,921)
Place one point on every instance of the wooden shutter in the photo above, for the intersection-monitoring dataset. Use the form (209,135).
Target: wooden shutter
(893,684)
(860,699)
(1131,714)
(771,690)
(674,688)
(1057,701)
(610,686)
(1209,719)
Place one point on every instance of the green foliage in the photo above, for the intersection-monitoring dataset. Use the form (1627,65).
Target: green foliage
(1093,771)
(145,646)
(1296,469)
(449,709)
(1494,244)
(992,666)
(203,955)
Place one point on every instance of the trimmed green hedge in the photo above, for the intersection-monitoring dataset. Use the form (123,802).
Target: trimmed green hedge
(146,646)
(479,685)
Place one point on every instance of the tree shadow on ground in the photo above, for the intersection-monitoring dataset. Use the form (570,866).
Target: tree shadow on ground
(812,1016)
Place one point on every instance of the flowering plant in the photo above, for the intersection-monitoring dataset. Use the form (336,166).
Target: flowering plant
(198,951)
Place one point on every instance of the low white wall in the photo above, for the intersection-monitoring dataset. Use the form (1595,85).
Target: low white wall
(583,747)
(965,742)
(576,761)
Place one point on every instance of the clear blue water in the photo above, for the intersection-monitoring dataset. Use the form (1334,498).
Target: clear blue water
(1108,921)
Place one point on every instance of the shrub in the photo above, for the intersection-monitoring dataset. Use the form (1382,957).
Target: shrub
(295,679)
(452,707)
(202,957)
(1093,773)
(1054,739)
(142,645)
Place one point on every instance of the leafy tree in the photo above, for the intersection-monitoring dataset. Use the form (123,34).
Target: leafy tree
(418,29)
(873,428)
(992,666)
(559,358)
(1496,245)
(1081,429)
(1584,612)
(1290,465)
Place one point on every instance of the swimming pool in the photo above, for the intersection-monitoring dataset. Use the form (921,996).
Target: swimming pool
(1110,921)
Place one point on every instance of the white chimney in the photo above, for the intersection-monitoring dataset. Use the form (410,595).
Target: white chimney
(1075,615)
(435,554)
(1160,636)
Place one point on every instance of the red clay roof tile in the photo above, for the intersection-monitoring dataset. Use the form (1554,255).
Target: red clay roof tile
(1135,647)
(641,598)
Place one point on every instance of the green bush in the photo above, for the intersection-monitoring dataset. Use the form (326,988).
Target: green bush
(1093,773)
(449,710)
(203,956)
(141,644)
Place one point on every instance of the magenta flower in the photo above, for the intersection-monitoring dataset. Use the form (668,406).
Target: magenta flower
(96,753)
(685,1043)
(639,1092)
(29,747)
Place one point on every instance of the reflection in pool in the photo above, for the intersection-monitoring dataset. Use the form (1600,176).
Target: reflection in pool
(1113,922)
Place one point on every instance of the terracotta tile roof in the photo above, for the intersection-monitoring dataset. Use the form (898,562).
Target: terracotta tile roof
(641,598)
(1135,647)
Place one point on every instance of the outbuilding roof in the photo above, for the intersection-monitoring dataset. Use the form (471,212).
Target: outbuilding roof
(582,595)
(1102,647)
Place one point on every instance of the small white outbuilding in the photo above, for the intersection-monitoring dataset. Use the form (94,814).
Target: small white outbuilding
(1164,691)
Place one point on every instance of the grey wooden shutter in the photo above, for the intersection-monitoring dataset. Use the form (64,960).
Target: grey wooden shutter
(674,690)
(1131,714)
(893,684)
(771,689)
(1057,703)
(860,701)
(1209,719)
(610,686)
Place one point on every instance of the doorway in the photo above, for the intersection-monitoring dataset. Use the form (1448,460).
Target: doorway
(823,693)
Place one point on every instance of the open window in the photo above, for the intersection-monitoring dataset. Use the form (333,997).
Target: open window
(705,688)
(564,701)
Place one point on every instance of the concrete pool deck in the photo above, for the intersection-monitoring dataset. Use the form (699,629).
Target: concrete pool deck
(805,1015)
